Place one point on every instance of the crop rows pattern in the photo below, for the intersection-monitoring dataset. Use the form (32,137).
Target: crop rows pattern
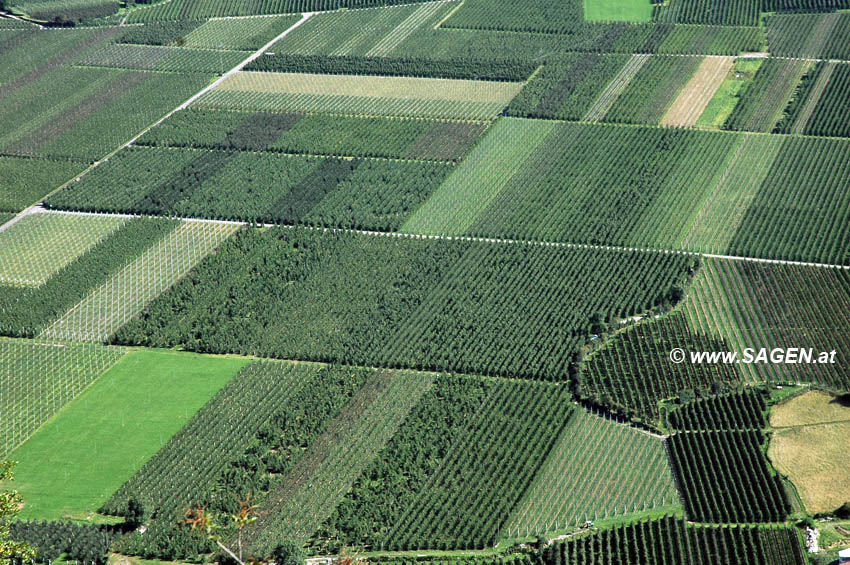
(671,540)
(405,301)
(724,477)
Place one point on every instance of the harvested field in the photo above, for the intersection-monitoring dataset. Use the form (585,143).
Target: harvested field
(816,459)
(813,407)
(697,93)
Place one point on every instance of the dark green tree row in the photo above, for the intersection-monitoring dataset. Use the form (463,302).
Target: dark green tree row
(799,99)
(490,466)
(741,411)
(725,477)
(239,444)
(804,5)
(159,33)
(833,107)
(566,86)
(71,12)
(317,134)
(824,36)
(73,542)
(371,194)
(24,311)
(492,68)
(517,310)
(713,12)
(671,541)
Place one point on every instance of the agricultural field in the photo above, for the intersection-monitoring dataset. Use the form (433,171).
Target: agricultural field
(810,35)
(370,95)
(806,447)
(559,497)
(31,253)
(373,194)
(70,10)
(418,313)
(141,401)
(39,377)
(671,540)
(25,181)
(424,282)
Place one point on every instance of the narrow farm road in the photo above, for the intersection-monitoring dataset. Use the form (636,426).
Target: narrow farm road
(41,210)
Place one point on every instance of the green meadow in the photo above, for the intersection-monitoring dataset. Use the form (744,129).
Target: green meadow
(71,465)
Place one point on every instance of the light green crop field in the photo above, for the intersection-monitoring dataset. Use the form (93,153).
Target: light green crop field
(617,10)
(40,245)
(726,97)
(97,442)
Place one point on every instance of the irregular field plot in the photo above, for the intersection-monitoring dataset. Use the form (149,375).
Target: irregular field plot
(352,94)
(597,469)
(115,426)
(403,301)
(813,407)
(23,182)
(39,245)
(810,448)
(633,371)
(37,378)
(698,92)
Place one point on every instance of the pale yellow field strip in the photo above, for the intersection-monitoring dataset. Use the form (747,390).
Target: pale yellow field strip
(372,86)
(116,301)
(695,96)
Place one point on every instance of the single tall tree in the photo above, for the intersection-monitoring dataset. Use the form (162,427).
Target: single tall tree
(10,504)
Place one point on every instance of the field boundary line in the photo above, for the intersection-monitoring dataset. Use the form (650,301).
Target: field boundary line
(38,209)
(255,55)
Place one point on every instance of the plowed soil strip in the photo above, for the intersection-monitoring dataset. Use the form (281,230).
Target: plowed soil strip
(692,101)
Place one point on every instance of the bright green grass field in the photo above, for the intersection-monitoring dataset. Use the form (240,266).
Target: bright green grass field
(617,10)
(99,440)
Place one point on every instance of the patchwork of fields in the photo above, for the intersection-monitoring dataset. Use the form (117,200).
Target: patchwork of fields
(407,282)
